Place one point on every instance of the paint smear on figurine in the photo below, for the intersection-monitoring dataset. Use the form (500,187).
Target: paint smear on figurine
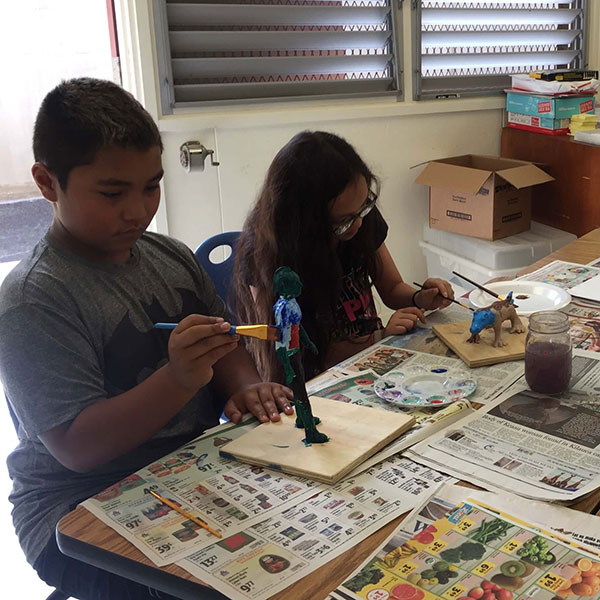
(278,446)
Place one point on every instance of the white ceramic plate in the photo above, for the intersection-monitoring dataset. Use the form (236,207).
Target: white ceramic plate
(529,296)
(417,386)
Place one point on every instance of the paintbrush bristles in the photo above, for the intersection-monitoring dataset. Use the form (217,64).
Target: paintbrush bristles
(261,332)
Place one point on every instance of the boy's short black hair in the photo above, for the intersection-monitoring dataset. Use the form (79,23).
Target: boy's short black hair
(81,116)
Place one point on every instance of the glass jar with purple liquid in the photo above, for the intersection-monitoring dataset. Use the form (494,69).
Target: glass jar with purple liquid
(548,353)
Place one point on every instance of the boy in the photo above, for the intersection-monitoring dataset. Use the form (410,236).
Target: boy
(98,392)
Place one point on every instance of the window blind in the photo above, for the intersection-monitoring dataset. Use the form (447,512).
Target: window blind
(473,47)
(257,49)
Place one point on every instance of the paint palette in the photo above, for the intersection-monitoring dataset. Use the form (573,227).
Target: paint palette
(417,386)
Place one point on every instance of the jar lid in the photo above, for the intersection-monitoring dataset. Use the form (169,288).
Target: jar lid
(549,321)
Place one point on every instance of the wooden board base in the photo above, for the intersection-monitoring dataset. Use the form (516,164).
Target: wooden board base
(455,336)
(355,433)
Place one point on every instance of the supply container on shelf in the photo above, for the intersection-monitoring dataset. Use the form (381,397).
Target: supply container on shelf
(482,260)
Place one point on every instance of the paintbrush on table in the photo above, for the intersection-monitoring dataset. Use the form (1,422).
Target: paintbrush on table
(262,332)
(184,513)
(451,299)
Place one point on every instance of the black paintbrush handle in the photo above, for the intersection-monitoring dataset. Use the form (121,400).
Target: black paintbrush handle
(451,299)
(477,285)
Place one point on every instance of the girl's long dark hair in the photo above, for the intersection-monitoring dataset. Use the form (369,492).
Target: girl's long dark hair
(289,225)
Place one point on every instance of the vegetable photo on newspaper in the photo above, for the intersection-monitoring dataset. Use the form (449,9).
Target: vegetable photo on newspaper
(475,553)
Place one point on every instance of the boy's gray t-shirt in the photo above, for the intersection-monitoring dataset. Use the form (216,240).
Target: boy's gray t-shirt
(72,333)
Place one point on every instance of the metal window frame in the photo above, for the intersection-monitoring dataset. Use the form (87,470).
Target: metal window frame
(163,56)
(166,82)
(418,94)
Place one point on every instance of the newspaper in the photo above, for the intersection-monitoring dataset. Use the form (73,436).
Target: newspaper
(563,274)
(384,357)
(268,557)
(584,319)
(540,447)
(227,494)
(358,389)
(323,380)
(422,338)
(453,516)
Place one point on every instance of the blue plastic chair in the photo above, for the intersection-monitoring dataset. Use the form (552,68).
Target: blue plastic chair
(222,272)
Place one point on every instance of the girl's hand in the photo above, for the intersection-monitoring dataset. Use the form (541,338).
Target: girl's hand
(262,400)
(436,293)
(404,320)
(195,345)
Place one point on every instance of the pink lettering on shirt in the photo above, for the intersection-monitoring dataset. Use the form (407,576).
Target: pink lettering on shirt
(360,304)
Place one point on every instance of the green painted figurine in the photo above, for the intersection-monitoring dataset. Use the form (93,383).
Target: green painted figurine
(292,338)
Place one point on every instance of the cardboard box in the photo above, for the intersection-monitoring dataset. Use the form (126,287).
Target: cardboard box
(555,107)
(481,196)
(545,125)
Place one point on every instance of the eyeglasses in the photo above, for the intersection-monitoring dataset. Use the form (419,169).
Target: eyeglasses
(367,207)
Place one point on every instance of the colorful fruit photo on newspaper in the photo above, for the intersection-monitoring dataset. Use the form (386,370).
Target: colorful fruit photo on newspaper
(474,554)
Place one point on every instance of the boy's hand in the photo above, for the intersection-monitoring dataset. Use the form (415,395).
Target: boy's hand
(436,293)
(195,345)
(404,320)
(262,400)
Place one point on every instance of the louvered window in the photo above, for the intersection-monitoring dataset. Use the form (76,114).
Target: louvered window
(257,49)
(472,47)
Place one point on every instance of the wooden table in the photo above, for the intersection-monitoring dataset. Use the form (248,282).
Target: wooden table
(83,536)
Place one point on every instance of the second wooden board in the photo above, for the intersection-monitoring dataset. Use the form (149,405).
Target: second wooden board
(355,433)
(455,336)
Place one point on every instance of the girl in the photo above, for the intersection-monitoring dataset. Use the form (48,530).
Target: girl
(317,214)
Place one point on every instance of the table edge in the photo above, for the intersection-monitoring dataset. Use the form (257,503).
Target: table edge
(136,571)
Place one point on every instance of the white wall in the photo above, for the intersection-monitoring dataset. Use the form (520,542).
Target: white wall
(42,42)
(389,145)
(391,136)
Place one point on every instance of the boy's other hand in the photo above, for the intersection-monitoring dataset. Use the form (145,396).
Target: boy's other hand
(404,320)
(436,293)
(262,400)
(195,345)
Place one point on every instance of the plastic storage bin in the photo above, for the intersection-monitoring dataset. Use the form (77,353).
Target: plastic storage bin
(482,260)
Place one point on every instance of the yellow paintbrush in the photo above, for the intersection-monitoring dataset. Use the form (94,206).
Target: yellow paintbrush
(262,332)
(184,513)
